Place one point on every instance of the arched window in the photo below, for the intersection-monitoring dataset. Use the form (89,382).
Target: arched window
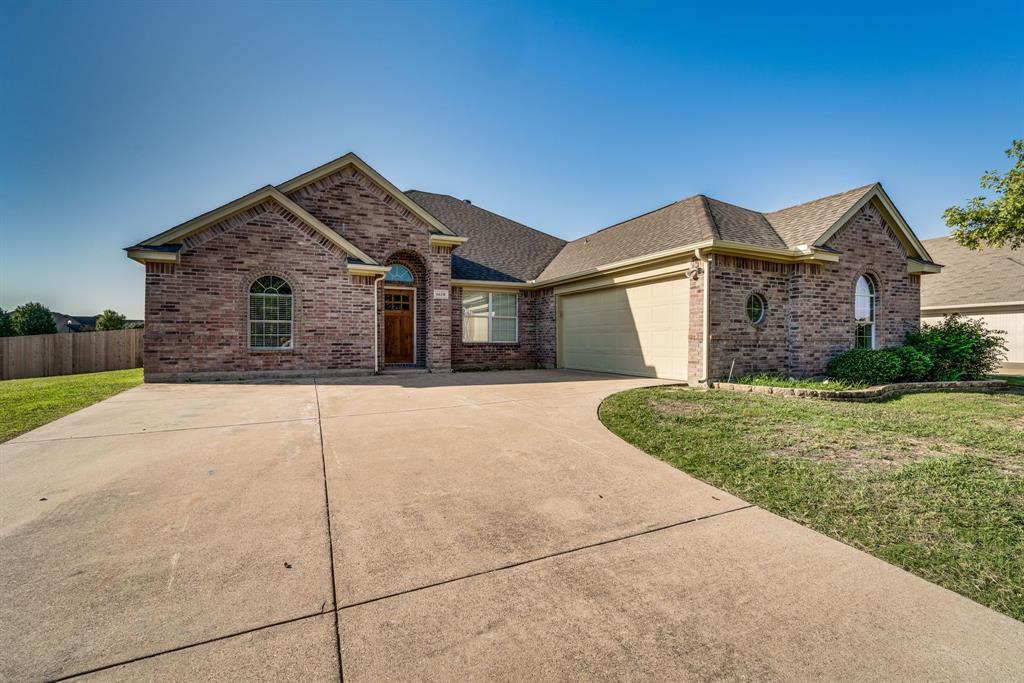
(399,273)
(270,313)
(864,312)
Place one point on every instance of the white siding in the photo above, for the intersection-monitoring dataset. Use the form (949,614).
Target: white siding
(1011,323)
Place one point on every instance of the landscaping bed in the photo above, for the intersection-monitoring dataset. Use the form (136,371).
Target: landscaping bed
(931,482)
(835,391)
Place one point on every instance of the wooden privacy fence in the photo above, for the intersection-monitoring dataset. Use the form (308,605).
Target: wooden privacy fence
(41,355)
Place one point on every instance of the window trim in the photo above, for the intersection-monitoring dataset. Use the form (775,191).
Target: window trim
(872,318)
(764,308)
(249,321)
(490,316)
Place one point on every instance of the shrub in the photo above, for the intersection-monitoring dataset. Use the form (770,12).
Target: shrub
(960,348)
(5,324)
(109,320)
(872,366)
(915,363)
(32,318)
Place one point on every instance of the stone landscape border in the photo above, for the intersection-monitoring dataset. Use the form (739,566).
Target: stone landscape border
(876,393)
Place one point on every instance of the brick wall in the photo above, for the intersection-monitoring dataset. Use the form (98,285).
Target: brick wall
(197,311)
(810,315)
(753,348)
(536,345)
(825,324)
(355,207)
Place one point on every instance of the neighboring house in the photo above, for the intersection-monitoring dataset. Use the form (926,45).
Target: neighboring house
(987,285)
(74,323)
(83,323)
(337,271)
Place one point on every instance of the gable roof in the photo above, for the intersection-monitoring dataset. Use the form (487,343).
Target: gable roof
(351,159)
(181,232)
(498,249)
(805,223)
(799,229)
(969,277)
(157,247)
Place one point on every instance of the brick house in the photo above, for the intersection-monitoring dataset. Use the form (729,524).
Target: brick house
(338,272)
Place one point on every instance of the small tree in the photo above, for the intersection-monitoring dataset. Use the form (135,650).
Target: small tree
(5,324)
(32,318)
(998,221)
(109,320)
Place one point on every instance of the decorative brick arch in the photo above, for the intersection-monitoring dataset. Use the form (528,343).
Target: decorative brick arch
(417,265)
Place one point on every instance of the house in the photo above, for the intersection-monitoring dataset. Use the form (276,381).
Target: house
(74,323)
(987,285)
(337,271)
(83,323)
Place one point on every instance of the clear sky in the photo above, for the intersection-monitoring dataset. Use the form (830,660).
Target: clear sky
(119,120)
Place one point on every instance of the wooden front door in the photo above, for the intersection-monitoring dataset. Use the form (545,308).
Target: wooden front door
(399,322)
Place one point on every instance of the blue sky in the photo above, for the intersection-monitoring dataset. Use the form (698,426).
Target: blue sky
(119,120)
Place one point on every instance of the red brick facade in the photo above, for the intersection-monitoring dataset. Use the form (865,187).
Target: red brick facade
(197,310)
(536,345)
(810,315)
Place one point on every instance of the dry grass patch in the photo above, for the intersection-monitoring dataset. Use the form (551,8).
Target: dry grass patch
(933,483)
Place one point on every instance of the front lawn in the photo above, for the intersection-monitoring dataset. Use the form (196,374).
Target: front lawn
(29,403)
(933,483)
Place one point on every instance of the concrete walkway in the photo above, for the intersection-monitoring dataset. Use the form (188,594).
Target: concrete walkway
(461,527)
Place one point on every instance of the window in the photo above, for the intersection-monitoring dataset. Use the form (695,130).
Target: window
(489,317)
(399,273)
(270,314)
(864,313)
(755,308)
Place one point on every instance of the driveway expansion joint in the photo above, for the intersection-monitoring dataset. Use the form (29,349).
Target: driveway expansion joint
(330,534)
(559,553)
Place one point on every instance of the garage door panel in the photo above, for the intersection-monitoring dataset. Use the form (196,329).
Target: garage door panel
(637,329)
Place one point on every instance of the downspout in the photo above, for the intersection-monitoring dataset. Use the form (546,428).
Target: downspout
(376,325)
(705,347)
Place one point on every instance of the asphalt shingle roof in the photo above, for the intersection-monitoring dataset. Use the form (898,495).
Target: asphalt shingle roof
(503,250)
(498,249)
(972,277)
(805,223)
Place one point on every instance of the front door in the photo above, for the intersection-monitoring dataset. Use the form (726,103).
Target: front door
(399,311)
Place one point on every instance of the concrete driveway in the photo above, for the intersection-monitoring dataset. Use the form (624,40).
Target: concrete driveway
(459,527)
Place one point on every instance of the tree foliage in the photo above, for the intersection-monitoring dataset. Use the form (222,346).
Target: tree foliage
(110,320)
(32,318)
(5,324)
(960,348)
(995,221)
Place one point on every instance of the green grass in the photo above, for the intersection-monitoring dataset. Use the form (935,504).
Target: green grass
(933,483)
(780,381)
(29,403)
(1016,381)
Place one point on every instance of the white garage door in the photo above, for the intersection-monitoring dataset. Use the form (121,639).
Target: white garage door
(633,330)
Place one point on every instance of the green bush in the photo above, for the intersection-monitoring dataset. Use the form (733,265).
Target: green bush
(960,348)
(32,318)
(915,363)
(872,366)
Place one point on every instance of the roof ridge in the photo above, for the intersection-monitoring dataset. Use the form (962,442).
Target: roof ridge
(818,199)
(627,220)
(480,208)
(716,232)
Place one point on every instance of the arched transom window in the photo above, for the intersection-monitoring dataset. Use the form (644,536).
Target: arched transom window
(399,273)
(270,313)
(864,312)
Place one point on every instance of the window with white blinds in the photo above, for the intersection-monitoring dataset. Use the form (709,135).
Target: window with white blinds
(490,317)
(270,314)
